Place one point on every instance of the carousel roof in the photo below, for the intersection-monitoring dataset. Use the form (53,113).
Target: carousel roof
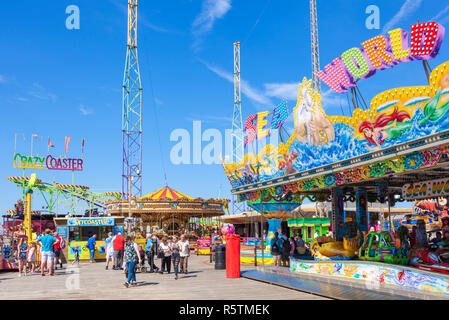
(166,193)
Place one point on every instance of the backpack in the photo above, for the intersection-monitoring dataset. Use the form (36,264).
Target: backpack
(275,247)
(62,244)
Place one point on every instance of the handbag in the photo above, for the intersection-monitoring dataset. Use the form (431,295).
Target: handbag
(161,254)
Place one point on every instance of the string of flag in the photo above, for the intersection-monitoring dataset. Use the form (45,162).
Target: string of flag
(50,144)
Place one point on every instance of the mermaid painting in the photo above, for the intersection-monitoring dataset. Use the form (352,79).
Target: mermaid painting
(377,132)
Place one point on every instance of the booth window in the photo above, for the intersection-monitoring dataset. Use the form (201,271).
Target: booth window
(84,233)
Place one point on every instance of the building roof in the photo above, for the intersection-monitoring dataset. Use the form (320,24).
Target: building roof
(166,193)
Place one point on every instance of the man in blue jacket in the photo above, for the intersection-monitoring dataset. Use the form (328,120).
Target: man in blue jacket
(151,250)
(91,246)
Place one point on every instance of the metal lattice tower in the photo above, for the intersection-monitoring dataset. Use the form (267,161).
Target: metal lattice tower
(132,111)
(316,84)
(237,124)
(237,121)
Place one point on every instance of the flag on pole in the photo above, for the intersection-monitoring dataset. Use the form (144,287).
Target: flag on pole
(37,137)
(82,146)
(50,145)
(67,141)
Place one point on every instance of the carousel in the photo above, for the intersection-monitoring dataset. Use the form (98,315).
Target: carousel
(169,212)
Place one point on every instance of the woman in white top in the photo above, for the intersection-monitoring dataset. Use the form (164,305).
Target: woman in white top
(184,252)
(166,250)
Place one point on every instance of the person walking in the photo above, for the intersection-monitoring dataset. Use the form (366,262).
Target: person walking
(91,246)
(276,247)
(175,256)
(184,253)
(151,251)
(31,257)
(77,255)
(165,252)
(292,246)
(22,249)
(132,257)
(109,250)
(57,249)
(118,243)
(286,248)
(46,243)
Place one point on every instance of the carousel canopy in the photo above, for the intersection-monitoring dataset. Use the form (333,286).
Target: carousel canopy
(166,193)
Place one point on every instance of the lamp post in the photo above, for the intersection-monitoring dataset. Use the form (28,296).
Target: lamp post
(130,195)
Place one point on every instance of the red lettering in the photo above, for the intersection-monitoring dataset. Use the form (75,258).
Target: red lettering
(426,39)
(250,129)
(336,76)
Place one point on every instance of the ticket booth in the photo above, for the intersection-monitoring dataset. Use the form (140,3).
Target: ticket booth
(76,231)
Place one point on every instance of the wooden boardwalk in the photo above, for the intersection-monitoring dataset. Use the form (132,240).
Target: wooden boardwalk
(92,281)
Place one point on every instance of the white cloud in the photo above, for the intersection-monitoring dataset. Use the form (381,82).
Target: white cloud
(158,101)
(211,11)
(250,92)
(85,111)
(330,98)
(282,90)
(40,92)
(407,8)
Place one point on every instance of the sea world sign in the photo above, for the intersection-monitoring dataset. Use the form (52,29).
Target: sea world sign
(90,222)
(426,189)
(382,52)
(47,163)
(257,127)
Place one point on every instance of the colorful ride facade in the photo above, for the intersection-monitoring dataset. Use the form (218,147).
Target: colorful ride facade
(402,135)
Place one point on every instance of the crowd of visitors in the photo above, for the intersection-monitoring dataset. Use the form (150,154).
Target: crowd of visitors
(282,248)
(128,256)
(122,253)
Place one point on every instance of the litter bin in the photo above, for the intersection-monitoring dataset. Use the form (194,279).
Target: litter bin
(233,256)
(220,257)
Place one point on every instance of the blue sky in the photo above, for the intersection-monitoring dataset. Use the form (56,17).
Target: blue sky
(57,82)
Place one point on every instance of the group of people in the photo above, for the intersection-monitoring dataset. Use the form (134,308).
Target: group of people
(282,248)
(125,254)
(47,247)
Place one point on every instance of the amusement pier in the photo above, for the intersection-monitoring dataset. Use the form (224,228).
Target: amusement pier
(335,186)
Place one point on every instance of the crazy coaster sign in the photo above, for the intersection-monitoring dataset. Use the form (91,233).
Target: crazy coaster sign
(426,189)
(47,163)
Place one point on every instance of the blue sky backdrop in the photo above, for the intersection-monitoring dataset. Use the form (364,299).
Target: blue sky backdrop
(57,82)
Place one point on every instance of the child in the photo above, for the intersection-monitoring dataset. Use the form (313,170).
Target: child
(77,255)
(31,257)
(22,250)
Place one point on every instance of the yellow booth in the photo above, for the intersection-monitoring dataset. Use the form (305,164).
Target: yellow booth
(77,230)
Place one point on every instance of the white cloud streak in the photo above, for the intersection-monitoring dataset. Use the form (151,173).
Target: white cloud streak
(440,14)
(407,8)
(250,92)
(211,11)
(85,111)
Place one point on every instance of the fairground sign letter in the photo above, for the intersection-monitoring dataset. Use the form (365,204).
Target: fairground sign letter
(426,189)
(382,52)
